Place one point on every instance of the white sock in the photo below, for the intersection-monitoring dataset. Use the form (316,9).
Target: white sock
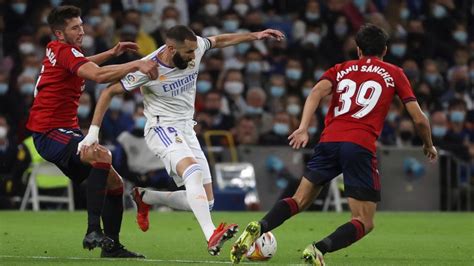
(175,200)
(197,198)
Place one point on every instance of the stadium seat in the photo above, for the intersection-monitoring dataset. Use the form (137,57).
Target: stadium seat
(43,175)
(46,175)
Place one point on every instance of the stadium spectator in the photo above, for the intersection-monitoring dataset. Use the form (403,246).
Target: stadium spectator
(255,108)
(280,131)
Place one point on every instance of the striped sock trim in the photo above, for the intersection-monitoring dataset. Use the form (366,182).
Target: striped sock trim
(191,169)
(293,205)
(360,228)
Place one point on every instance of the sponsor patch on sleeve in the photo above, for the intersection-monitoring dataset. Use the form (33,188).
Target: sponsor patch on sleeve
(76,53)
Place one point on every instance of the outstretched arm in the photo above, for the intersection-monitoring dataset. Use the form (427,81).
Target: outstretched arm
(422,126)
(112,73)
(299,138)
(117,50)
(224,40)
(100,109)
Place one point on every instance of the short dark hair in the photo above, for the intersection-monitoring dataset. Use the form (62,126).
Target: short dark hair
(371,40)
(58,16)
(180,33)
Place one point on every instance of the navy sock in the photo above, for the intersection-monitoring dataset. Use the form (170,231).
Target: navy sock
(344,236)
(280,212)
(113,212)
(96,183)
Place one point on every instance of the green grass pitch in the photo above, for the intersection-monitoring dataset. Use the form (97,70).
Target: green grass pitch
(174,238)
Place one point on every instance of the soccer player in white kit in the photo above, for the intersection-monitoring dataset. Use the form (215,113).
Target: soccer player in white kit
(169,109)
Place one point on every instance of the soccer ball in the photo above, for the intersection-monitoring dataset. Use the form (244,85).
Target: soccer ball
(263,248)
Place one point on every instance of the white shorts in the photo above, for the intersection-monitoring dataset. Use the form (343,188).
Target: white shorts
(174,141)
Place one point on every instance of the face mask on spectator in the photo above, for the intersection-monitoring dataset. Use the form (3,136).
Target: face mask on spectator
(169,23)
(3,132)
(277,91)
(340,29)
(116,104)
(27,88)
(87,41)
(55,3)
(3,88)
(242,47)
(392,116)
(26,48)
(312,130)
(312,38)
(318,74)
(406,135)
(439,11)
(431,78)
(281,129)
(105,8)
(325,110)
(30,72)
(241,9)
(471,74)
(83,111)
(460,36)
(360,4)
(306,91)
(311,15)
(19,8)
(211,9)
(254,67)
(146,8)
(140,122)
(398,49)
(293,73)
(234,87)
(404,13)
(94,20)
(203,86)
(250,110)
(439,131)
(293,109)
(128,107)
(457,116)
(230,25)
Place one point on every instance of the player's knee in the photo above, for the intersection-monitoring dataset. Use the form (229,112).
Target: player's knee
(193,175)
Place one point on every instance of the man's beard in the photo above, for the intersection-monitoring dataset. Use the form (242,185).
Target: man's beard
(179,61)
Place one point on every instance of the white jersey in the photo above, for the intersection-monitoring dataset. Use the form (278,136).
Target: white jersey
(170,97)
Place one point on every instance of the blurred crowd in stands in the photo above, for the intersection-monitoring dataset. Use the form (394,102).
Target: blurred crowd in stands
(255,90)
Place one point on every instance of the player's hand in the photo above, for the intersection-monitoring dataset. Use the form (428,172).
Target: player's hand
(270,34)
(91,138)
(122,47)
(148,67)
(299,138)
(430,152)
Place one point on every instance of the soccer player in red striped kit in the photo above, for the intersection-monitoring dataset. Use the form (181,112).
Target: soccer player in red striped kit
(362,91)
(54,124)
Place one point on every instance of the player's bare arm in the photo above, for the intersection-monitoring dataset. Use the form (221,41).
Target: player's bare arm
(115,51)
(299,138)
(224,40)
(422,126)
(111,73)
(100,109)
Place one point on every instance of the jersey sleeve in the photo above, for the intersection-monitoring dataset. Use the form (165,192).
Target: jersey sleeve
(330,75)
(204,44)
(71,58)
(134,80)
(403,87)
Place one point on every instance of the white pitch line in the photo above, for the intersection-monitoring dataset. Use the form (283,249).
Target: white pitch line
(114,259)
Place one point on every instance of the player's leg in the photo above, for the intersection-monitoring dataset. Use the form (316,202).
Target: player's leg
(112,217)
(321,168)
(361,185)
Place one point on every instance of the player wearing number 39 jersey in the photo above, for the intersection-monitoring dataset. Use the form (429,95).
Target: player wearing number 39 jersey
(362,91)
(169,133)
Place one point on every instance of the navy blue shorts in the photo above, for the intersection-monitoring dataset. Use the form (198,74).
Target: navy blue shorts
(357,164)
(59,146)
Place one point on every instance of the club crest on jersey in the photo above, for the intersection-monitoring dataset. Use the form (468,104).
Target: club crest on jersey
(130,78)
(76,53)
(178,139)
(191,64)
